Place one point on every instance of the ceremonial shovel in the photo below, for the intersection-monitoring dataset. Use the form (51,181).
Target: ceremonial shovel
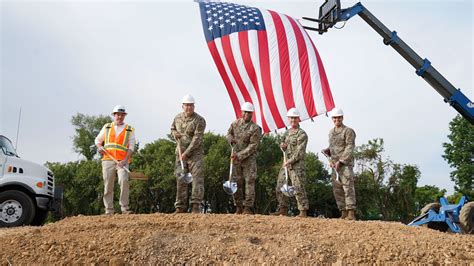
(186,177)
(287,190)
(229,186)
(337,174)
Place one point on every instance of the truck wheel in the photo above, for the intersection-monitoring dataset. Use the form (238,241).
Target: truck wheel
(466,218)
(440,226)
(40,217)
(16,208)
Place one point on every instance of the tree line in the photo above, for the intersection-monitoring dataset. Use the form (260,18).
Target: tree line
(385,190)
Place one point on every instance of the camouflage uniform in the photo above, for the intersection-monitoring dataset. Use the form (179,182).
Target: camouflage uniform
(246,137)
(341,146)
(191,142)
(296,139)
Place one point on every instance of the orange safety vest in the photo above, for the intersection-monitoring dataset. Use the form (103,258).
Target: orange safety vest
(117,146)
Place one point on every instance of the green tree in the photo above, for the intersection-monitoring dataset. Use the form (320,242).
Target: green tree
(402,189)
(427,194)
(216,172)
(319,188)
(156,160)
(83,185)
(371,169)
(459,153)
(385,190)
(269,161)
(86,129)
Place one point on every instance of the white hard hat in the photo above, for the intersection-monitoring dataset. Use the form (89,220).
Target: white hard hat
(336,112)
(188,98)
(248,107)
(293,112)
(119,109)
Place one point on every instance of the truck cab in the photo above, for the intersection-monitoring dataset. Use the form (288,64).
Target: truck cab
(27,190)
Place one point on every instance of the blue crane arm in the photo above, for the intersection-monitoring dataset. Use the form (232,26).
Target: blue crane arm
(423,67)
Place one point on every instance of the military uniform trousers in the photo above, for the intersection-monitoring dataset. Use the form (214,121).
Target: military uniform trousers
(109,173)
(297,177)
(245,174)
(344,191)
(195,166)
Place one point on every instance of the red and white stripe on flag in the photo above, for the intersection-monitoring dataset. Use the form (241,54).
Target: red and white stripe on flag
(268,59)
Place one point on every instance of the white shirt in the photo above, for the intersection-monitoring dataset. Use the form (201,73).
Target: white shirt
(118,129)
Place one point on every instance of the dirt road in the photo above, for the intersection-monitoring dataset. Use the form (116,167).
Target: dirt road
(192,238)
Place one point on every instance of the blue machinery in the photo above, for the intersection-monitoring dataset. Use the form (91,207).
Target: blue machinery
(441,216)
(448,214)
(330,13)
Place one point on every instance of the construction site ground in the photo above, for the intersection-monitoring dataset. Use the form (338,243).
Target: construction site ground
(229,239)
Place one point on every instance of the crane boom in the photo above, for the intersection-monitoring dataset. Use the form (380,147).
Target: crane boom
(330,13)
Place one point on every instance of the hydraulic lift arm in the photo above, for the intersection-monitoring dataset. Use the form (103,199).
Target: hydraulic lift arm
(330,14)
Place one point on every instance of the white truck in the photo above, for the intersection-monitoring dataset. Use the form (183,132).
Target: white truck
(27,190)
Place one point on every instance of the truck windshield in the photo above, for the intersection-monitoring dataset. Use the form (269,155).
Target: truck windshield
(7,147)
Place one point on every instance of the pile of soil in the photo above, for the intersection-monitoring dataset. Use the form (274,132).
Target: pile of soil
(219,238)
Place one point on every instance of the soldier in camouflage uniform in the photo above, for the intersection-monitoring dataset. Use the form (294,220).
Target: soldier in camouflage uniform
(244,135)
(188,128)
(294,143)
(341,148)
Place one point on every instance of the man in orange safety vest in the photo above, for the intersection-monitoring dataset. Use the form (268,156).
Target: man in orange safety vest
(118,141)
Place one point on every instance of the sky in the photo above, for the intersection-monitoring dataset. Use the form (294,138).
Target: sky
(60,58)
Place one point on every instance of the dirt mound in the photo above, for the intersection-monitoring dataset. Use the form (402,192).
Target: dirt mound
(190,238)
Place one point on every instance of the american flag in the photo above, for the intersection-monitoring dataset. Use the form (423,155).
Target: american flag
(268,59)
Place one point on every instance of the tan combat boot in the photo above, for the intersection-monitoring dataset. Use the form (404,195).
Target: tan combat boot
(303,214)
(343,214)
(195,208)
(179,210)
(351,215)
(238,210)
(248,210)
(282,211)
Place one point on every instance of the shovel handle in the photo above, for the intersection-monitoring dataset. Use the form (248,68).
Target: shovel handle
(181,162)
(231,163)
(325,154)
(286,168)
(179,153)
(113,159)
(338,179)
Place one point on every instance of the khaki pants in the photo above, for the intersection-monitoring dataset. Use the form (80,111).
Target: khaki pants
(109,172)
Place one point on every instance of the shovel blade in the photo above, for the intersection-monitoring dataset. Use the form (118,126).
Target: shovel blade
(288,191)
(138,176)
(230,187)
(186,178)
